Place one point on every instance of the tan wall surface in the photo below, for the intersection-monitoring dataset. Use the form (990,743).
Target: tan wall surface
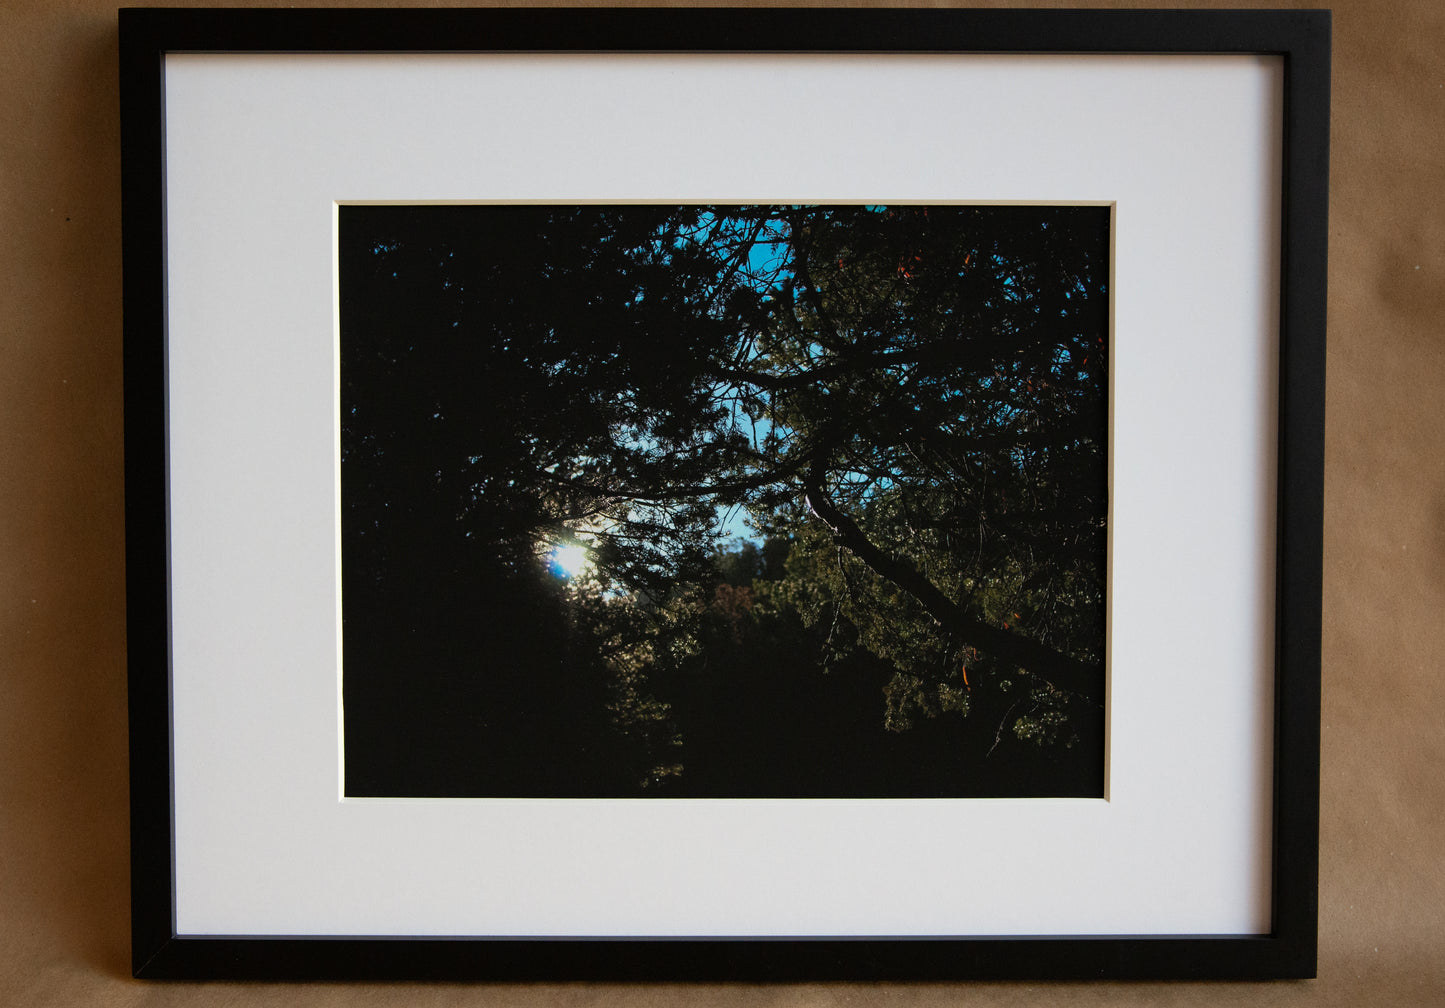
(64,927)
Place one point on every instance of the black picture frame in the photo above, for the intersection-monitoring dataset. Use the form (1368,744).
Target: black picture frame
(1302,38)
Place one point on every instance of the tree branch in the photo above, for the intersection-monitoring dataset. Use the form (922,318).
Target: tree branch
(1061,670)
(666,491)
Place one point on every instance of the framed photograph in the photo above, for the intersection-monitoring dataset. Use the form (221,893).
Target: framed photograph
(724,494)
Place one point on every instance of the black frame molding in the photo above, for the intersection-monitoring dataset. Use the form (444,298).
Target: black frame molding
(1289,951)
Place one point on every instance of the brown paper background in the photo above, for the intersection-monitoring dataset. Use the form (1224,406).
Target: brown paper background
(64,891)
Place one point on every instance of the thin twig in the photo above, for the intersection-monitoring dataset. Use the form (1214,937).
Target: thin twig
(998,735)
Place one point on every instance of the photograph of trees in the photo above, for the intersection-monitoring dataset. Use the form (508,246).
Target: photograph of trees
(724,501)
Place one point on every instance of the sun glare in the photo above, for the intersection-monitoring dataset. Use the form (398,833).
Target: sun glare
(570,560)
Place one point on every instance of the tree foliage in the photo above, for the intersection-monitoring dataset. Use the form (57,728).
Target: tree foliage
(908,403)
